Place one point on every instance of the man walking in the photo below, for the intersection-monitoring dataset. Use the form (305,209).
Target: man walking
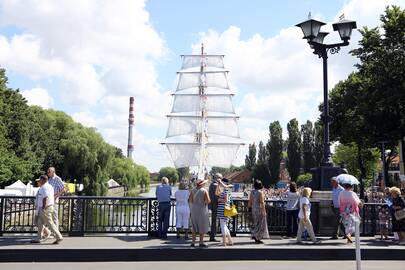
(214,205)
(59,188)
(336,189)
(163,194)
(45,206)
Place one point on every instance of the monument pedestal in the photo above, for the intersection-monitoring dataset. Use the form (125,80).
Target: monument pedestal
(322,192)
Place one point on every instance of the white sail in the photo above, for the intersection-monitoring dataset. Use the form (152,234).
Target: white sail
(215,79)
(185,155)
(222,126)
(214,103)
(191,61)
(203,127)
(221,155)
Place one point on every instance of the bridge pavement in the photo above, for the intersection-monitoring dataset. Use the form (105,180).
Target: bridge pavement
(142,248)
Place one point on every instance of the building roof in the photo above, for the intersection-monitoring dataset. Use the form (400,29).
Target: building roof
(239,176)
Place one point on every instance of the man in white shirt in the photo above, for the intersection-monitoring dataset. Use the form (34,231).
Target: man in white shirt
(45,207)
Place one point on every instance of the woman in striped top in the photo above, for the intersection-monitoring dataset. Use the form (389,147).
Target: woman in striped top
(224,200)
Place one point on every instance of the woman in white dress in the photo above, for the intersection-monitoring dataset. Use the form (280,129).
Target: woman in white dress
(182,210)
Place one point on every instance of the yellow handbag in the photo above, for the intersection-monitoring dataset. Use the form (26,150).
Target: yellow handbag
(230,211)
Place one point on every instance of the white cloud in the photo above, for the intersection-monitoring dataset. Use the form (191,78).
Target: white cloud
(99,53)
(38,96)
(278,78)
(102,52)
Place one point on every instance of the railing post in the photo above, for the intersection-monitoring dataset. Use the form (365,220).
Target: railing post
(77,218)
(1,215)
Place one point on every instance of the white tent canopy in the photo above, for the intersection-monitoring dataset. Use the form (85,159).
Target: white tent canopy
(17,185)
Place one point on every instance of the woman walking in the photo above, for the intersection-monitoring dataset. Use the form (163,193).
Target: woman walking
(182,210)
(257,204)
(349,204)
(292,207)
(304,216)
(224,200)
(199,200)
(398,203)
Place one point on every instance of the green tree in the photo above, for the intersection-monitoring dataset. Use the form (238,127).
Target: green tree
(183,172)
(293,149)
(369,106)
(308,146)
(261,169)
(250,159)
(349,155)
(318,143)
(170,173)
(302,179)
(275,150)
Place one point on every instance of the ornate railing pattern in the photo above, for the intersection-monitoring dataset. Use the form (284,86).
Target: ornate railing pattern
(86,214)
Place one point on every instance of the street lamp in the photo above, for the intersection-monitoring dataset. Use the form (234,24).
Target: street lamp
(312,33)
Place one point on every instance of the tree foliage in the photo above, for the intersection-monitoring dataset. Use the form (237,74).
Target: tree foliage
(349,155)
(275,150)
(308,146)
(261,169)
(32,139)
(369,106)
(169,172)
(250,159)
(293,149)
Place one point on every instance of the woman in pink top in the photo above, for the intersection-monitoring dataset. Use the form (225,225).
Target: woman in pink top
(349,204)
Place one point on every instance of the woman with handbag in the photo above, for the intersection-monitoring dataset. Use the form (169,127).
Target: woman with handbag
(257,204)
(224,201)
(398,218)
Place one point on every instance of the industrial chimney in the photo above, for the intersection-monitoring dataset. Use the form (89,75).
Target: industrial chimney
(131,119)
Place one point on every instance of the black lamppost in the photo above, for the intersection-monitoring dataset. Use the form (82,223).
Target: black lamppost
(311,29)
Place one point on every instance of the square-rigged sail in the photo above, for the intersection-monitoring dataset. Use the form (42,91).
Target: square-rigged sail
(203,127)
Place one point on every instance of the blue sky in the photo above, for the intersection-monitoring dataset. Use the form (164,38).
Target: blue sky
(87,57)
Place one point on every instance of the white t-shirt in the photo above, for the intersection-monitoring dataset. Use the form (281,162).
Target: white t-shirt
(46,191)
(292,200)
(304,201)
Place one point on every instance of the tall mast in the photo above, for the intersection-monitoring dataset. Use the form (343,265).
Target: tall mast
(203,131)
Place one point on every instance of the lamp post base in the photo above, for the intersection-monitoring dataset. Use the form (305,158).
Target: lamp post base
(322,175)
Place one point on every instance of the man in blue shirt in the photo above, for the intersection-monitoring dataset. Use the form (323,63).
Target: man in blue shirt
(336,189)
(163,194)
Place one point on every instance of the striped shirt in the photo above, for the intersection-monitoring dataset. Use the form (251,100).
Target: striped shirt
(222,203)
(57,183)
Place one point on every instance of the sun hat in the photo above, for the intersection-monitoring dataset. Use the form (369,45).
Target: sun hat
(201,182)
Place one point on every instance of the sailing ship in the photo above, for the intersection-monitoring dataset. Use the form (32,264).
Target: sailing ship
(203,126)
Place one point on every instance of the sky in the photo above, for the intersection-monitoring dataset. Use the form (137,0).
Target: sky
(87,58)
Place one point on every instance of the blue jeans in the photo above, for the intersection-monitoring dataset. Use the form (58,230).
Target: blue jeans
(292,222)
(163,219)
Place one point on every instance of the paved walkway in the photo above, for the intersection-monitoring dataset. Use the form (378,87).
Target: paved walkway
(234,265)
(137,241)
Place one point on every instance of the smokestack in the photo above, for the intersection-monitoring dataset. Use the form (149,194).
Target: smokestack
(131,119)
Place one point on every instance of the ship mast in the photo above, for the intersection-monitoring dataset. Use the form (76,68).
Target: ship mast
(202,136)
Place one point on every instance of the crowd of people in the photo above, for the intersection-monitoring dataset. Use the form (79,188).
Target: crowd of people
(196,204)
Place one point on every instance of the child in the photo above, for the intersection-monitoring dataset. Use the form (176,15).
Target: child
(383,219)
